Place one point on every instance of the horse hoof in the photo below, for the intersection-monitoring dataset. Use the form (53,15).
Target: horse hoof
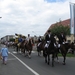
(38,55)
(45,61)
(58,61)
(29,57)
(52,65)
(48,63)
(64,64)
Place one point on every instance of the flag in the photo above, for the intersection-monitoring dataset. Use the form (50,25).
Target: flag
(72,16)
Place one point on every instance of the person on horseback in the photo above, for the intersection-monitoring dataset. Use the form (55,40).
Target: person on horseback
(62,38)
(28,45)
(19,40)
(48,38)
(39,40)
(28,38)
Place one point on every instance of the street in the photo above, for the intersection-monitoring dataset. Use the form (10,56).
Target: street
(19,65)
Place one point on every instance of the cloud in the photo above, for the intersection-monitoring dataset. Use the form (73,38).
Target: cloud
(31,16)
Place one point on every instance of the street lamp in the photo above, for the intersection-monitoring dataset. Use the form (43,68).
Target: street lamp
(34,32)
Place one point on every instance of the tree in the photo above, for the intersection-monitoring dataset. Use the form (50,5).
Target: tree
(58,28)
(12,39)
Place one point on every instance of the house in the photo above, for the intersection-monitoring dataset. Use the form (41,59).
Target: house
(64,23)
(7,38)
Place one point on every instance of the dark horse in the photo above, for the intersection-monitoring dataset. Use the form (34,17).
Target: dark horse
(40,47)
(50,50)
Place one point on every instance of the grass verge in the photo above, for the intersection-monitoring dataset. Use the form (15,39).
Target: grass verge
(68,55)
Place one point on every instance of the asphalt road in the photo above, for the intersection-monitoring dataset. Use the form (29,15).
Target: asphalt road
(19,65)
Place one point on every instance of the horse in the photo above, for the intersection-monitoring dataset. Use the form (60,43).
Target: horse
(52,49)
(28,48)
(72,47)
(64,50)
(40,47)
(20,46)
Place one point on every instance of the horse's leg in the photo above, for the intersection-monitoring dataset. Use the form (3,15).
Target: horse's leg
(64,59)
(48,59)
(17,49)
(45,55)
(20,50)
(29,53)
(57,57)
(39,53)
(64,56)
(53,60)
(24,51)
(72,51)
(38,50)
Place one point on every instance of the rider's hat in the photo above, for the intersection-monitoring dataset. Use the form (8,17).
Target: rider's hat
(49,30)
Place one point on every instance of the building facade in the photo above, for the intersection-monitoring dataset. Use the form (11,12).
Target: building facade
(7,38)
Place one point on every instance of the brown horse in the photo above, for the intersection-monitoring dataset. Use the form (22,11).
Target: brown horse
(28,48)
(64,50)
(20,46)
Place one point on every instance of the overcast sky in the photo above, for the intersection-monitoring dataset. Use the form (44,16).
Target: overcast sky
(32,17)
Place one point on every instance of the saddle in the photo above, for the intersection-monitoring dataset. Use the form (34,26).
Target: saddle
(19,44)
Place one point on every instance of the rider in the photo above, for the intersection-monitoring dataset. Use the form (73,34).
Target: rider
(39,40)
(19,40)
(62,38)
(28,38)
(48,38)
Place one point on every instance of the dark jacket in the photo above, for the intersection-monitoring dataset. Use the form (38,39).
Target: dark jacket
(47,38)
(40,40)
(62,38)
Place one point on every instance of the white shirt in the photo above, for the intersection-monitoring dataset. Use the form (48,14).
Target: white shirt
(28,38)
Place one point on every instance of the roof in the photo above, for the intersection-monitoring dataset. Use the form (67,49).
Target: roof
(64,22)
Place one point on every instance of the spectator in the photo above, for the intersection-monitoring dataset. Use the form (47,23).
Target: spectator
(4,54)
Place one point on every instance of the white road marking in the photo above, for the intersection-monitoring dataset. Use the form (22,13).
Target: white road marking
(35,73)
(9,52)
(14,52)
(20,52)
